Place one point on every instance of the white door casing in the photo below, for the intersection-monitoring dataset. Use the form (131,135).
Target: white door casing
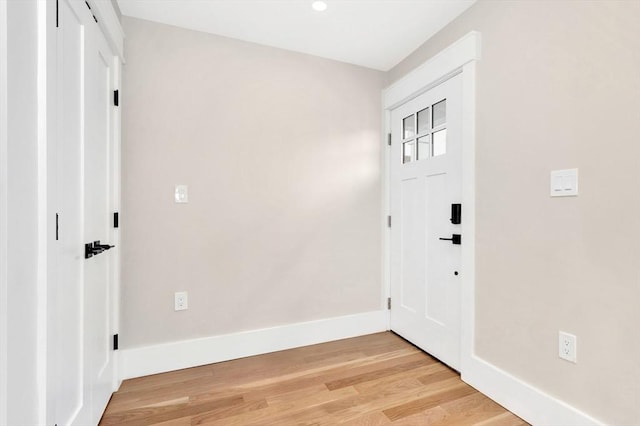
(425,173)
(458,58)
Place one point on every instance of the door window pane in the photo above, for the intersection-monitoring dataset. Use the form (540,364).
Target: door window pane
(408,151)
(423,122)
(424,147)
(440,142)
(408,127)
(439,113)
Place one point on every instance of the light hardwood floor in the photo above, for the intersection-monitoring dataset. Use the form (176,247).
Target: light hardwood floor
(377,379)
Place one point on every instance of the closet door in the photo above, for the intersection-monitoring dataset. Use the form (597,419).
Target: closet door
(98,108)
(72,405)
(81,351)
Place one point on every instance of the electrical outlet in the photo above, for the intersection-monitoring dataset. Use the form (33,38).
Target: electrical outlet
(181,194)
(180,301)
(567,346)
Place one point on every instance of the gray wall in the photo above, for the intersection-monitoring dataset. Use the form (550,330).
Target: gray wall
(558,87)
(281,152)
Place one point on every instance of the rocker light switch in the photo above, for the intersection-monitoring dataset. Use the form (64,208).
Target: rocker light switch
(181,194)
(564,183)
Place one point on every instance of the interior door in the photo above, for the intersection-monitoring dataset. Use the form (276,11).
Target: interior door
(425,173)
(69,401)
(82,356)
(98,88)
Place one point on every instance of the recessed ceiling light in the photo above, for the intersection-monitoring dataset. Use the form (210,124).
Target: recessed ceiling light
(319,5)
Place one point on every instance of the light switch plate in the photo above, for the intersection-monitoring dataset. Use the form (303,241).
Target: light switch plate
(181,194)
(564,183)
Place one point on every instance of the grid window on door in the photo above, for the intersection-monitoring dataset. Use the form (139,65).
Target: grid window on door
(408,141)
(424,147)
(424,134)
(409,151)
(439,143)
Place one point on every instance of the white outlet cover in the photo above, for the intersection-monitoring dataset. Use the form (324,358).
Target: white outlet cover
(567,346)
(181,194)
(180,301)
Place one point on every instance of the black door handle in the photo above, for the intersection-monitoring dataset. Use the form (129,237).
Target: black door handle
(91,249)
(101,247)
(455,239)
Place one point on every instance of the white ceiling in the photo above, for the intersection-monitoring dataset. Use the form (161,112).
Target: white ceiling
(373,33)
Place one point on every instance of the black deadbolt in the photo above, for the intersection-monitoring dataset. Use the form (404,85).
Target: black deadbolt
(456,214)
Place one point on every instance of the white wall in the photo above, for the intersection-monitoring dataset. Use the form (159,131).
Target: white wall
(21,237)
(558,86)
(281,152)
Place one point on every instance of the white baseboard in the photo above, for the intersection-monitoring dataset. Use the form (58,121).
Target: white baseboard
(137,362)
(521,398)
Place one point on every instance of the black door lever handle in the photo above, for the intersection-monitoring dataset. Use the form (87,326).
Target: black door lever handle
(92,249)
(455,239)
(101,247)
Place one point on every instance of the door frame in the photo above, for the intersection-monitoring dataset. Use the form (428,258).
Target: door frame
(459,58)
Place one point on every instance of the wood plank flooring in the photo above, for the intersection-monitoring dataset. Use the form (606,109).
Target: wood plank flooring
(379,379)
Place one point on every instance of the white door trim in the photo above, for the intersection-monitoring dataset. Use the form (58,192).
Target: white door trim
(3,212)
(449,61)
(43,208)
(110,25)
(459,58)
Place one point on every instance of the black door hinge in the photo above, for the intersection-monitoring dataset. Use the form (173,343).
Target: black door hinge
(116,98)
(389,221)
(57,227)
(389,139)
(115,342)
(388,303)
(116,220)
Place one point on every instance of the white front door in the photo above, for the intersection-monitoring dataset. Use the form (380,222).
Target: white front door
(81,354)
(425,173)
